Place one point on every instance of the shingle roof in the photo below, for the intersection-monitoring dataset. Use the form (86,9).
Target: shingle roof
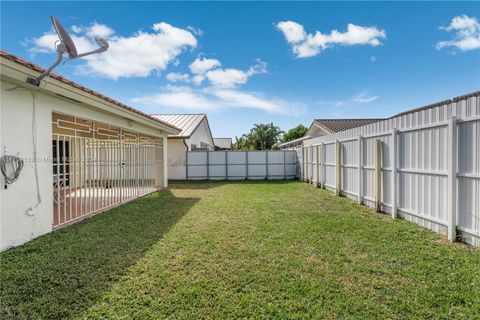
(36,68)
(224,143)
(337,125)
(188,123)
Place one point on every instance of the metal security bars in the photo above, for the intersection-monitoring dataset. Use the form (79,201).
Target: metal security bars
(241,165)
(97,167)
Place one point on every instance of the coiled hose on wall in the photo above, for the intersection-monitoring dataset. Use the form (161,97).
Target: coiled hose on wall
(16,165)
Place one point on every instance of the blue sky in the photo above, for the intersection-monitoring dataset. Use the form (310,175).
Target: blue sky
(261,62)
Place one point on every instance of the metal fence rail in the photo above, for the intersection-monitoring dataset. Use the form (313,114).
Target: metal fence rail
(422,166)
(241,165)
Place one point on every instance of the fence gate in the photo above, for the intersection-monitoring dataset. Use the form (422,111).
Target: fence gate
(241,165)
(98,166)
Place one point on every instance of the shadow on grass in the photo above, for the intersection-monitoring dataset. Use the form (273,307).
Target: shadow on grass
(63,273)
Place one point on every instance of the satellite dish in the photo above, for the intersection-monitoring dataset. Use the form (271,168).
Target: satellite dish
(67,46)
(65,38)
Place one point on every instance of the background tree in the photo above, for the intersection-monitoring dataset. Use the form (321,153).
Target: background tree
(294,133)
(261,137)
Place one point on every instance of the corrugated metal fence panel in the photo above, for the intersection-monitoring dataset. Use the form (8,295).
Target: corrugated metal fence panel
(329,165)
(421,169)
(236,165)
(240,165)
(257,165)
(217,165)
(350,168)
(292,166)
(197,165)
(469,180)
(276,168)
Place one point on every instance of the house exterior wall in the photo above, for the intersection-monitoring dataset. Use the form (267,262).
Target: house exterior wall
(177,162)
(176,159)
(201,134)
(21,218)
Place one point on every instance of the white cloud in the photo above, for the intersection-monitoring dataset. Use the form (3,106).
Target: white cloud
(138,55)
(178,77)
(202,65)
(99,30)
(198,79)
(292,31)
(215,98)
(195,31)
(363,98)
(77,29)
(305,45)
(467,34)
(229,77)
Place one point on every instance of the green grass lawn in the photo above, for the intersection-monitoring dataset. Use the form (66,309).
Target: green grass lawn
(241,250)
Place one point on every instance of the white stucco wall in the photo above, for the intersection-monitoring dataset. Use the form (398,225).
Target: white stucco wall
(177,169)
(201,134)
(16,226)
(176,159)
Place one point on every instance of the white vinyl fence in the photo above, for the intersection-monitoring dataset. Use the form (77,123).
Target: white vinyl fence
(241,165)
(422,166)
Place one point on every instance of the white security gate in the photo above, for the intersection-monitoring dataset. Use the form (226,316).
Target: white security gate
(97,167)
(241,165)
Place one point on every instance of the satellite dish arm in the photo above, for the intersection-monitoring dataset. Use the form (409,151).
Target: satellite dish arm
(36,81)
(103,47)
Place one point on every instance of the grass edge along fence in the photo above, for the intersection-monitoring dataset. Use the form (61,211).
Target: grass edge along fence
(422,166)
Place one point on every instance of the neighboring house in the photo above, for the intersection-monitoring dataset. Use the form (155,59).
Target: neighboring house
(223,143)
(83,152)
(322,127)
(195,135)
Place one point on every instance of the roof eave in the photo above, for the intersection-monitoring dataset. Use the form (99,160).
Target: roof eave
(17,73)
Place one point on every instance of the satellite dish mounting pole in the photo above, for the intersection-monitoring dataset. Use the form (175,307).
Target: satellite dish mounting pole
(60,51)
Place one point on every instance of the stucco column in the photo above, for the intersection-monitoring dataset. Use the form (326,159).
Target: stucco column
(165,161)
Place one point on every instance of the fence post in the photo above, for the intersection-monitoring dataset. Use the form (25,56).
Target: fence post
(378,174)
(246,165)
(186,164)
(302,164)
(360,164)
(266,164)
(318,165)
(165,161)
(208,165)
(322,165)
(226,165)
(338,167)
(311,164)
(393,159)
(306,165)
(452,179)
(284,165)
